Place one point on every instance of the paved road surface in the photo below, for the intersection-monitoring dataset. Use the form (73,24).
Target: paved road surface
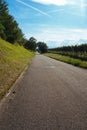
(51,95)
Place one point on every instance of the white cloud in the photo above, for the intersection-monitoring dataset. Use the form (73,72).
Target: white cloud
(53,2)
(79,5)
(58,35)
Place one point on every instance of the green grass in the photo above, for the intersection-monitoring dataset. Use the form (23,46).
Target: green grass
(13,60)
(67,59)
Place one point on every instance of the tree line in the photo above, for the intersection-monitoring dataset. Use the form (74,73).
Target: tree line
(10,31)
(33,45)
(77,51)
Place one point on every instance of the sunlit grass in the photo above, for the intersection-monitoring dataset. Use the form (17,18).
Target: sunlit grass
(67,59)
(13,60)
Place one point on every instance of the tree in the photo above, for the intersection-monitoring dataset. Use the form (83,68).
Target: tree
(3,12)
(3,7)
(9,29)
(42,47)
(31,44)
(2,34)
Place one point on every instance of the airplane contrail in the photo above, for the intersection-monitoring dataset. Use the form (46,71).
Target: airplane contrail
(28,5)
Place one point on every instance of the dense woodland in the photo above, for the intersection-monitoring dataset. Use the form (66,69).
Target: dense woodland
(77,51)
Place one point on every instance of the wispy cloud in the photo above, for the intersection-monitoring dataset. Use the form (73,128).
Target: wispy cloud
(52,2)
(56,35)
(36,9)
(80,3)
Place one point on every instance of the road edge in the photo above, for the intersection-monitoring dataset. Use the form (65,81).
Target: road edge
(20,76)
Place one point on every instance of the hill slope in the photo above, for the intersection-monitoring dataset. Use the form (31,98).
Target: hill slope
(13,59)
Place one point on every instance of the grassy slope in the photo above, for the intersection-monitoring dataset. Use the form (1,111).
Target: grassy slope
(67,59)
(13,60)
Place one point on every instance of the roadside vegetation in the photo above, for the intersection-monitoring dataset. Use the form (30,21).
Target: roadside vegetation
(68,59)
(77,51)
(75,55)
(13,60)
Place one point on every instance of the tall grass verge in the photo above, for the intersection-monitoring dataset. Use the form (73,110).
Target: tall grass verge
(13,60)
(67,59)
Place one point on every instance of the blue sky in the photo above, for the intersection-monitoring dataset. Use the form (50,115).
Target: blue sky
(51,21)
